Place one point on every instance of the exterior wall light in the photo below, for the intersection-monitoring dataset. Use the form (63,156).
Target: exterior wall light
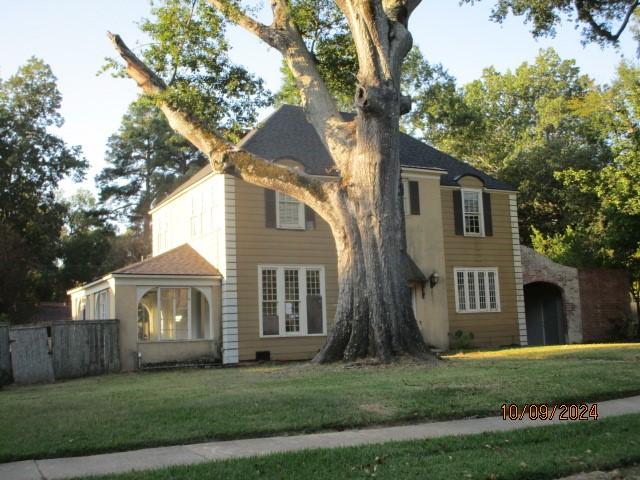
(434,278)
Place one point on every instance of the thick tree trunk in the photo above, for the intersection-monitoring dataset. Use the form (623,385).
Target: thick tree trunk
(374,317)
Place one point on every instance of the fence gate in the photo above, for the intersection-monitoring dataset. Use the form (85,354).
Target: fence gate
(31,355)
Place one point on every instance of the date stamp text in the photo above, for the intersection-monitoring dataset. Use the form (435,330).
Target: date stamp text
(541,411)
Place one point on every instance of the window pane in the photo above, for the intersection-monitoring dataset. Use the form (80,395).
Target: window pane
(481,291)
(288,211)
(147,312)
(199,315)
(270,320)
(471,208)
(472,290)
(314,302)
(460,283)
(291,301)
(174,311)
(493,303)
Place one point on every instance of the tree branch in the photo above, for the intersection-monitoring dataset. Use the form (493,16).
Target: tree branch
(382,39)
(585,15)
(223,155)
(232,12)
(318,103)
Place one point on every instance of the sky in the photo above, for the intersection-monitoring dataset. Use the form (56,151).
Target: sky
(70,35)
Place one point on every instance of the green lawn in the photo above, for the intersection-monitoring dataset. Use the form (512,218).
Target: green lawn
(121,412)
(535,453)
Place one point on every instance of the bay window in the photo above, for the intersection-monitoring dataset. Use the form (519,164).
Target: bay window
(176,313)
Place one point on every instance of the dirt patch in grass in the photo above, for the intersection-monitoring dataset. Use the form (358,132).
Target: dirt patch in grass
(379,409)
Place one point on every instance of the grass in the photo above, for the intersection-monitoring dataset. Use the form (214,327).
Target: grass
(127,411)
(535,453)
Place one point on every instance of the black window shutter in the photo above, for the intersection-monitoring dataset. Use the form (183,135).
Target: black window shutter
(269,208)
(486,207)
(414,198)
(457,212)
(309,218)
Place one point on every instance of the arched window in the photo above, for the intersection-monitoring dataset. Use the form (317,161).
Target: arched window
(174,313)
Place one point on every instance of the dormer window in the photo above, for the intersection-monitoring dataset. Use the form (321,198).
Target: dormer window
(289,212)
(472,212)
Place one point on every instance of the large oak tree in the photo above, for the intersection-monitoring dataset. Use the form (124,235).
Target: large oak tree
(361,203)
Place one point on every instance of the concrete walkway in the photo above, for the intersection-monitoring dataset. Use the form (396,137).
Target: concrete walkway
(150,458)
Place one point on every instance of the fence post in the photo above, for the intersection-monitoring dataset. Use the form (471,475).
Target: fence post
(5,358)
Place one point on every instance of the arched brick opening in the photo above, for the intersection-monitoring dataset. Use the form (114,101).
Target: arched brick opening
(544,309)
(537,268)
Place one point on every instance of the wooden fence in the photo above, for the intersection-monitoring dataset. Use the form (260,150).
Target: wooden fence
(63,349)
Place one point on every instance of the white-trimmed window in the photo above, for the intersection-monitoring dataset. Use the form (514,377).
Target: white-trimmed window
(289,212)
(477,290)
(472,217)
(102,305)
(292,300)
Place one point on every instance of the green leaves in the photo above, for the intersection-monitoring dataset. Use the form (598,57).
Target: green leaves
(33,161)
(601,22)
(190,52)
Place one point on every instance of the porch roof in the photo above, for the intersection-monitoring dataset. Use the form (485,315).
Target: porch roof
(182,260)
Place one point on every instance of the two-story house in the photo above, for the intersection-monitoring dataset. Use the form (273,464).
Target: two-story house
(241,272)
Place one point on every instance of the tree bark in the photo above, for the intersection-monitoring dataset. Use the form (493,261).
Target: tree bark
(374,317)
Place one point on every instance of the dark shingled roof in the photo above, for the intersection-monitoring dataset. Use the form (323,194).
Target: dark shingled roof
(182,260)
(287,134)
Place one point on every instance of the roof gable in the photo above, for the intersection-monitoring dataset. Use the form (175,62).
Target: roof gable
(286,134)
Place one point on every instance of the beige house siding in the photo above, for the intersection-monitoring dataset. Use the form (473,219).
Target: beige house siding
(258,245)
(425,245)
(127,313)
(489,328)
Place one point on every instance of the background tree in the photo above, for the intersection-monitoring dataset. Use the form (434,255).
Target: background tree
(91,246)
(147,160)
(86,242)
(361,203)
(524,126)
(33,161)
(611,236)
(602,22)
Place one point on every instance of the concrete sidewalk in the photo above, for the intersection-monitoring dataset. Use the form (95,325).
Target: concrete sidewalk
(150,458)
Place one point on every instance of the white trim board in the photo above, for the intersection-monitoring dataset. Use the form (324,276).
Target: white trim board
(517,266)
(230,353)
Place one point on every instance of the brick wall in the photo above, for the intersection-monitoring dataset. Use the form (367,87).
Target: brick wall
(605,297)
